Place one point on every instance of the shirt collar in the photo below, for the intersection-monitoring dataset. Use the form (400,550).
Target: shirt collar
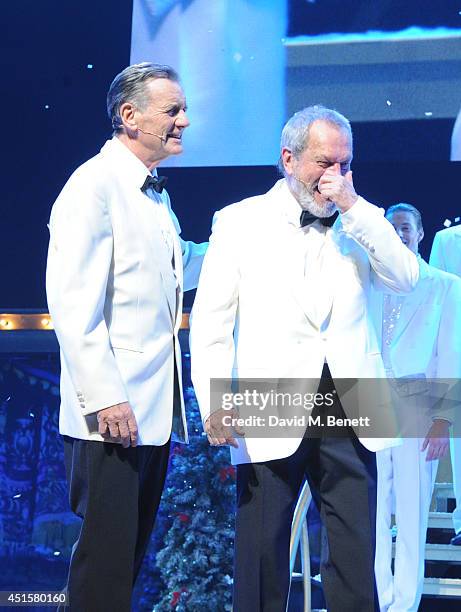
(292,209)
(134,170)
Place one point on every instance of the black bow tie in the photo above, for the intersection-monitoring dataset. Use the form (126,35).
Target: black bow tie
(156,182)
(307,218)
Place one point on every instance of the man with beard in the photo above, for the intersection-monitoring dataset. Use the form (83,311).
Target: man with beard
(283,295)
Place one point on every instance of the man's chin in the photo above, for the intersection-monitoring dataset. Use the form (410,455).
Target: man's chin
(314,202)
(321,200)
(321,206)
(174,146)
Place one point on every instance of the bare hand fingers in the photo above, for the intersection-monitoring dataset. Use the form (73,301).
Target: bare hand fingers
(232,441)
(436,450)
(220,434)
(124,434)
(214,441)
(133,428)
(442,450)
(216,434)
(113,429)
(235,424)
(102,427)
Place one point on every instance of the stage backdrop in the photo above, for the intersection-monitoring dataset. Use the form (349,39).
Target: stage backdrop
(60,57)
(231,59)
(247,65)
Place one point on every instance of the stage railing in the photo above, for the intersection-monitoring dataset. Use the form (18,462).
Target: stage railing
(299,538)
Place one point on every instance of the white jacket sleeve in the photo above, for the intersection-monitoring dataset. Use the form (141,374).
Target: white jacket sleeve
(448,356)
(192,253)
(78,270)
(437,257)
(394,266)
(214,312)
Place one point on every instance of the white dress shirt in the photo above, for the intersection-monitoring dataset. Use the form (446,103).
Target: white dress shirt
(316,249)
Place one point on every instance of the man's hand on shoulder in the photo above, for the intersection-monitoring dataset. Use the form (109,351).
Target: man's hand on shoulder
(118,424)
(338,188)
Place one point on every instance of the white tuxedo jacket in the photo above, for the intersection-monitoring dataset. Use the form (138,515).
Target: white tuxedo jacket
(446,250)
(115,301)
(427,336)
(252,315)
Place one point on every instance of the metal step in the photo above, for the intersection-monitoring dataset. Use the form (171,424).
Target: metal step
(443,489)
(297,577)
(445,587)
(444,496)
(439,552)
(443,552)
(440,520)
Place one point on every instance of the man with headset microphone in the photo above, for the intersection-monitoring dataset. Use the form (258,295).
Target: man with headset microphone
(116,272)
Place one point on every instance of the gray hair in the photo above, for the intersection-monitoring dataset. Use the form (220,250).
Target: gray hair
(409,208)
(130,86)
(295,134)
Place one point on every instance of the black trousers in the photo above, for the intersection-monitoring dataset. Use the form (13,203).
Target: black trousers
(116,491)
(342,476)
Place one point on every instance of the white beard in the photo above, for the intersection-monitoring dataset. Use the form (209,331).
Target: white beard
(305,197)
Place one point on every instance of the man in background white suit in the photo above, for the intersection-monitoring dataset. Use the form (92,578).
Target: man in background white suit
(419,334)
(284,295)
(114,285)
(446,255)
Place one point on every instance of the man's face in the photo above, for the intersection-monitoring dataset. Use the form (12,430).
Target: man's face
(329,146)
(405,225)
(164,117)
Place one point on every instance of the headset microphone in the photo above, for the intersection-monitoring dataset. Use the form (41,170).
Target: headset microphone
(162,138)
(300,181)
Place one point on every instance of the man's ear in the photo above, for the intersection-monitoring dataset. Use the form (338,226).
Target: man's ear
(420,235)
(128,116)
(287,160)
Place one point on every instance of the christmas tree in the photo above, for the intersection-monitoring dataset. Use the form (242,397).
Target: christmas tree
(195,561)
